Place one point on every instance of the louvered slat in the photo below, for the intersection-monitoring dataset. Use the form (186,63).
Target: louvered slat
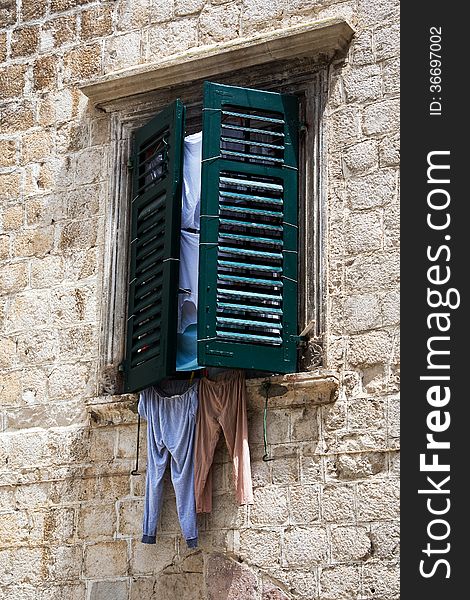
(248,253)
(154,239)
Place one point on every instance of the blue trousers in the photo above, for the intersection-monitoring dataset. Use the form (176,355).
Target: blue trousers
(171,421)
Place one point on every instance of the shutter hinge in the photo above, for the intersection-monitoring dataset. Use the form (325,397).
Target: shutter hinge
(130,164)
(121,368)
(303,127)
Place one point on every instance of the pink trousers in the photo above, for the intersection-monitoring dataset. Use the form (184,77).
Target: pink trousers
(222,405)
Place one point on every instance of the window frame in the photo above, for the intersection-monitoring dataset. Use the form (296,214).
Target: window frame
(301,77)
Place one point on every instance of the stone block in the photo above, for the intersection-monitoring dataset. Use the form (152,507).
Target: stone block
(70,380)
(97,22)
(102,444)
(344,126)
(36,146)
(363,83)
(350,544)
(37,242)
(130,514)
(304,506)
(370,348)
(387,42)
(14,277)
(360,158)
(377,11)
(82,63)
(219,23)
(385,538)
(362,48)
(106,557)
(270,506)
(161,11)
(33,10)
(366,414)
(45,73)
(7,13)
(8,153)
(304,547)
(362,312)
(225,512)
(172,38)
(393,417)
(378,500)
(372,190)
(10,187)
(11,385)
(260,547)
(340,583)
(150,559)
(230,580)
(108,590)
(47,272)
(377,272)
(96,521)
(16,117)
(62,5)
(364,233)
(123,51)
(389,151)
(337,503)
(133,14)
(72,305)
(381,580)
(171,585)
(188,7)
(256,14)
(59,31)
(391,76)
(381,117)
(359,466)
(24,41)
(304,424)
(271,592)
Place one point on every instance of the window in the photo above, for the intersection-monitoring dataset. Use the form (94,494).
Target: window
(247,308)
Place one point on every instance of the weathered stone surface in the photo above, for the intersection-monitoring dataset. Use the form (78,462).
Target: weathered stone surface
(304,547)
(106,557)
(82,63)
(12,81)
(219,23)
(270,507)
(96,22)
(45,72)
(226,578)
(382,117)
(172,38)
(59,31)
(350,544)
(122,51)
(337,504)
(378,500)
(376,189)
(260,547)
(339,583)
(109,590)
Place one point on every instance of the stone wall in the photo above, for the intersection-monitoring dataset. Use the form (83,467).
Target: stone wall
(324,523)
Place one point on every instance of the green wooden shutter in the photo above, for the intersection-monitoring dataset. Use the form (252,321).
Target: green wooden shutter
(154,249)
(247,314)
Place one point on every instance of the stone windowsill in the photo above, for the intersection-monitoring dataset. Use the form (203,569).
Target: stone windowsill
(328,37)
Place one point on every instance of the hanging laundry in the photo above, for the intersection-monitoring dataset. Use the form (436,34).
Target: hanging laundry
(186,346)
(170,410)
(222,405)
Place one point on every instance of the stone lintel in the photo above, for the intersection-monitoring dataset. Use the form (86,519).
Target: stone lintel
(328,37)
